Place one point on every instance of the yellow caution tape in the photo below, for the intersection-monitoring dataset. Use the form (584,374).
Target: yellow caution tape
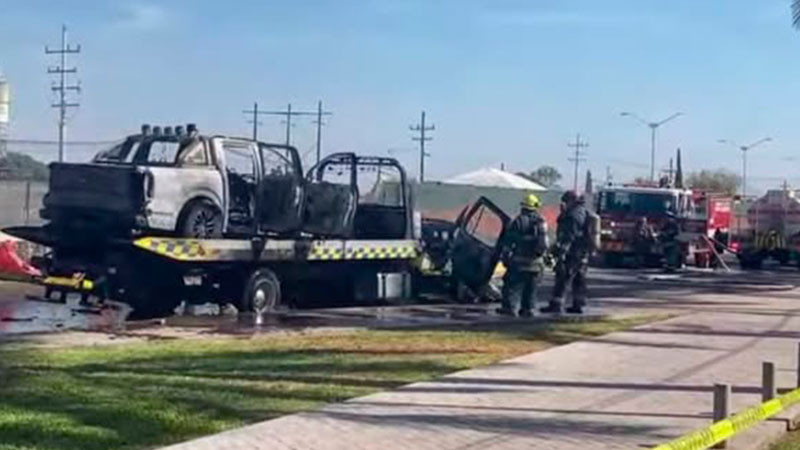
(727,428)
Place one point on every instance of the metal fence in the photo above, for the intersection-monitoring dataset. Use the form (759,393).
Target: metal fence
(20,202)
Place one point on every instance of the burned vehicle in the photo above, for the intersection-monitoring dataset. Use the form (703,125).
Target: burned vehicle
(170,182)
(463,255)
(167,182)
(167,216)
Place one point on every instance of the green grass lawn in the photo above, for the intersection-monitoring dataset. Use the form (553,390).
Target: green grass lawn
(790,441)
(149,394)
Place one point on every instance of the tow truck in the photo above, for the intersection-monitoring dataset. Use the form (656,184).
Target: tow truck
(346,229)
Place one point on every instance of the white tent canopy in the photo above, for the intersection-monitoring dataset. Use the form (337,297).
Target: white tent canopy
(491,177)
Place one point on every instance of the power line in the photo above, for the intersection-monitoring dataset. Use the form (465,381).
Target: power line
(578,145)
(422,139)
(63,86)
(48,142)
(287,114)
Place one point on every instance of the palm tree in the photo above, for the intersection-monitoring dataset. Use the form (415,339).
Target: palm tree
(796,13)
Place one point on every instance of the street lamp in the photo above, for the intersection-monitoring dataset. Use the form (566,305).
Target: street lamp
(744,149)
(653,127)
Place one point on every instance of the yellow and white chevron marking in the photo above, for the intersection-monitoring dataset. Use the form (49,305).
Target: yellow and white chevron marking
(322,251)
(398,250)
(725,429)
(180,249)
(201,250)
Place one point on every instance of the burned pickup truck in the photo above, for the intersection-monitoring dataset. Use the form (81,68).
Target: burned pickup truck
(167,181)
(171,182)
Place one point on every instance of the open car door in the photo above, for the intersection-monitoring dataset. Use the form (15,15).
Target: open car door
(281,190)
(331,197)
(474,250)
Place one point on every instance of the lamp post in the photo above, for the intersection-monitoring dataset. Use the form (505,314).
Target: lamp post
(744,149)
(653,127)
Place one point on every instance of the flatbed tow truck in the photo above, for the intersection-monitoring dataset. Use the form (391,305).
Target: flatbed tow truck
(351,240)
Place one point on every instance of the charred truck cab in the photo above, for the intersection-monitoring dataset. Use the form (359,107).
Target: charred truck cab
(170,215)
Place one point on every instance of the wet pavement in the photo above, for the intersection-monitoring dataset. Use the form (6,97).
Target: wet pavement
(614,292)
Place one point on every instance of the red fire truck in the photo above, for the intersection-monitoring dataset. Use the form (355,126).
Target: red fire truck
(621,208)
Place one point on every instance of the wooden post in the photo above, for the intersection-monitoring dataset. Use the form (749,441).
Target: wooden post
(722,406)
(768,390)
(27,202)
(798,366)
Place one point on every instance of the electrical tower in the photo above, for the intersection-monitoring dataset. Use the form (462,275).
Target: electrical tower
(288,114)
(578,145)
(63,85)
(422,138)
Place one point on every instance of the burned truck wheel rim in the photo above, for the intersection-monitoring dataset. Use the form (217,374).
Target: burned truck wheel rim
(263,292)
(260,300)
(204,223)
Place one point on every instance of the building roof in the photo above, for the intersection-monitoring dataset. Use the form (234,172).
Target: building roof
(491,177)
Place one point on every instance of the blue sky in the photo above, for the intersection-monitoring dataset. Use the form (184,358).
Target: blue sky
(504,81)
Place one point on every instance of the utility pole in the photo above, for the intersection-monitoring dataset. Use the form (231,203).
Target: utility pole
(255,112)
(319,123)
(578,145)
(422,138)
(287,114)
(63,86)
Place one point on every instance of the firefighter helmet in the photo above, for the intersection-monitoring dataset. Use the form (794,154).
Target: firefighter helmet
(531,202)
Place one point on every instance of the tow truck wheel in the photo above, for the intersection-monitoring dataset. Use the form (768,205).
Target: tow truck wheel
(262,292)
(202,220)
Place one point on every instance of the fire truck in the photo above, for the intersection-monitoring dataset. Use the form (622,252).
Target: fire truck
(770,230)
(699,215)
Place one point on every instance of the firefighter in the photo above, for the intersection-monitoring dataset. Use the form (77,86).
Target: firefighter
(571,252)
(644,238)
(523,247)
(720,243)
(672,248)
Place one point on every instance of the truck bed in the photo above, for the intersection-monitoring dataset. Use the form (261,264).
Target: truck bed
(96,197)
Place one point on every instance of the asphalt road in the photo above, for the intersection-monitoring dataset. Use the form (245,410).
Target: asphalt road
(612,292)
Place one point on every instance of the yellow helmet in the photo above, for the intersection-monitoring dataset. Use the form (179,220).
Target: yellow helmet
(531,202)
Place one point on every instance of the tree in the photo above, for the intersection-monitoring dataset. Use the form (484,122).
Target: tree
(547,176)
(589,183)
(18,166)
(796,13)
(720,180)
(679,171)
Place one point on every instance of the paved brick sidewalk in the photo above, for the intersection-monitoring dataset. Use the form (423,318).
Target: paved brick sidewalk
(632,389)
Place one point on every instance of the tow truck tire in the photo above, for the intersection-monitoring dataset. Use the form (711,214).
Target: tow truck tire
(783,257)
(200,219)
(262,291)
